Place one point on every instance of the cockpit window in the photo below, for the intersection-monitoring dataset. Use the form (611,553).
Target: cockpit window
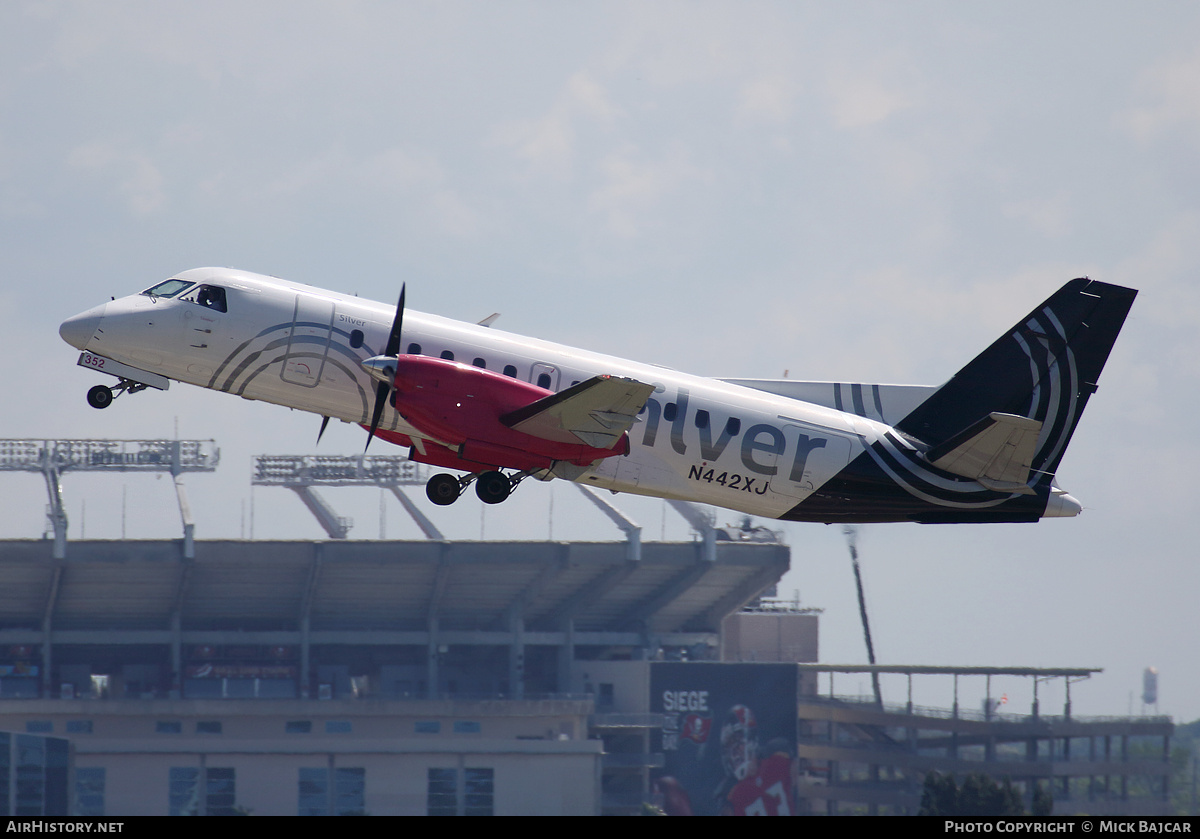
(167,289)
(208,296)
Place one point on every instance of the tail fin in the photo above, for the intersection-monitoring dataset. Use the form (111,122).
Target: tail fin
(1045,368)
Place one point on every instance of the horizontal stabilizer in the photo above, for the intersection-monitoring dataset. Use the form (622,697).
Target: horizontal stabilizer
(996,451)
(886,403)
(596,412)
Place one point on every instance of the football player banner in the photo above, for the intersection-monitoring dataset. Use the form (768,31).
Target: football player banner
(728,738)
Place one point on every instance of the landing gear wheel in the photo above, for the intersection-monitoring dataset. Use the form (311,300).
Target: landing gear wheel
(493,487)
(101,396)
(443,489)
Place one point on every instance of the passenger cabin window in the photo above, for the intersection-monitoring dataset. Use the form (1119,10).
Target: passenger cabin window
(702,419)
(446,354)
(669,412)
(167,289)
(544,381)
(356,338)
(480,363)
(733,426)
(510,370)
(414,349)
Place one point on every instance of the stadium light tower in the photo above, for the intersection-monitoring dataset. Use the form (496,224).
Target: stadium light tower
(54,457)
(300,473)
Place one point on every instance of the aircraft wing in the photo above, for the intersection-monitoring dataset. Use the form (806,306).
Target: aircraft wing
(595,412)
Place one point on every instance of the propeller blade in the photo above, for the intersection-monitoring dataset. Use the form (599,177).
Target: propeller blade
(381,395)
(393,343)
(324,422)
(393,350)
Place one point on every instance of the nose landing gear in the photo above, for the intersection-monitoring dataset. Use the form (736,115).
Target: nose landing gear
(101,396)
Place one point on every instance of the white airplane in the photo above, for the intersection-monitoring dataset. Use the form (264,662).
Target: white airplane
(983,447)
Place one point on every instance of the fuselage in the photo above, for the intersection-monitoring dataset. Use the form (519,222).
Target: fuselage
(697,438)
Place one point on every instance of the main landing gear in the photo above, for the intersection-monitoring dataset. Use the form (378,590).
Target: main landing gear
(492,487)
(101,396)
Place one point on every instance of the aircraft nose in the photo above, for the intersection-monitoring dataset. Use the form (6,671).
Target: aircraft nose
(78,330)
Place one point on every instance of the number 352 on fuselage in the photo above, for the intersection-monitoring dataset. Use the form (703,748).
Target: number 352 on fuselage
(496,408)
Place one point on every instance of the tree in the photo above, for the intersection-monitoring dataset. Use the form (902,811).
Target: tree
(1043,803)
(979,795)
(939,796)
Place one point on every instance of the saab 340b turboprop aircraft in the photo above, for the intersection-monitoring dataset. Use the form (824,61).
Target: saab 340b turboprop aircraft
(983,447)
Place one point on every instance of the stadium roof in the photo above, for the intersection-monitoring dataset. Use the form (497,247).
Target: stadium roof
(389,587)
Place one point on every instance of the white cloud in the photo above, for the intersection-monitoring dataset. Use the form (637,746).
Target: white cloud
(1170,96)
(632,186)
(869,93)
(1049,215)
(548,143)
(769,98)
(133,174)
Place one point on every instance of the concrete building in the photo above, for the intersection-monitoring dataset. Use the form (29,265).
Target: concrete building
(346,677)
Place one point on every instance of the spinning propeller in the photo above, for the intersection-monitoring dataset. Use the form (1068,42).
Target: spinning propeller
(383,368)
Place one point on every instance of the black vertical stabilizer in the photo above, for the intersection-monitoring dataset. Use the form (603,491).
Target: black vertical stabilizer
(1044,368)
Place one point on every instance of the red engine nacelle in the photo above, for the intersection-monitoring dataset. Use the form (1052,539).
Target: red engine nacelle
(462,405)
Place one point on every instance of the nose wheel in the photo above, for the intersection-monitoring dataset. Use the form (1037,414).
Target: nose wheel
(101,396)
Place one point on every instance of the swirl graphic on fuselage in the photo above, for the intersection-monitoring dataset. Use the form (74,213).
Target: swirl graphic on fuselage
(269,350)
(1052,401)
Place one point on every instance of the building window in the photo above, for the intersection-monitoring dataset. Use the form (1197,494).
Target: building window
(313,792)
(480,792)
(220,791)
(338,727)
(5,771)
(89,791)
(183,792)
(168,727)
(466,727)
(441,796)
(349,789)
(298,727)
(39,727)
(79,726)
(427,727)
(349,792)
(31,776)
(208,727)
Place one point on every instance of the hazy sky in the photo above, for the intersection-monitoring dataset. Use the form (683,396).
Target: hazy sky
(846,191)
